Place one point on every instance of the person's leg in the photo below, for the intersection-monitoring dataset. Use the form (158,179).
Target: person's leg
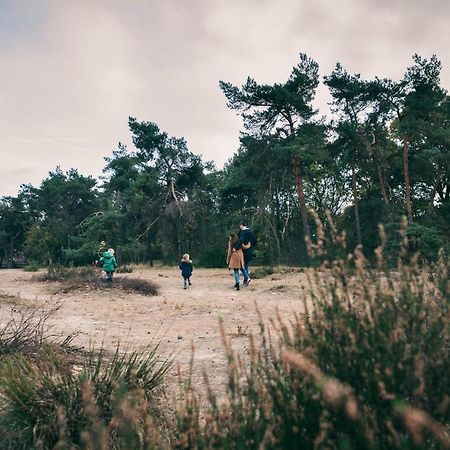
(247,278)
(245,268)
(189,281)
(236,278)
(185,282)
(109,277)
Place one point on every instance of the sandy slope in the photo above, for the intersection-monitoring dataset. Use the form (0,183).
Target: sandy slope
(176,316)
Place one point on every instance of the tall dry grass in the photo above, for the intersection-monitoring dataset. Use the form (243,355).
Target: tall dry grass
(108,402)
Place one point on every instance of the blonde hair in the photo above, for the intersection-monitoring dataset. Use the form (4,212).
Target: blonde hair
(111,251)
(186,257)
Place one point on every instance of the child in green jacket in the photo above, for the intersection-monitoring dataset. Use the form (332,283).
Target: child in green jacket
(109,264)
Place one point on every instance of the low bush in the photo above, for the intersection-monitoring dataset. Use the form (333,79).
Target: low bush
(66,274)
(33,267)
(124,269)
(90,278)
(261,272)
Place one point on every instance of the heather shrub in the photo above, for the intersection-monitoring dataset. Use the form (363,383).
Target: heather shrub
(364,366)
(91,278)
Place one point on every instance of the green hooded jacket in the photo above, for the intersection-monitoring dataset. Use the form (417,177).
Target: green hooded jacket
(109,262)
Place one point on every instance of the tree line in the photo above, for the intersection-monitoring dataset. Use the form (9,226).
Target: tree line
(381,155)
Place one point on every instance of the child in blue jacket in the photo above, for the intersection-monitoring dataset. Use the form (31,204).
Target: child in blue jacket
(186,268)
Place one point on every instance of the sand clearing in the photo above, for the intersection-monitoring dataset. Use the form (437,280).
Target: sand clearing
(176,317)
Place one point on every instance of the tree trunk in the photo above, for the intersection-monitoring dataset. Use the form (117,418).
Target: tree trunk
(407,180)
(382,186)
(301,196)
(117,200)
(435,188)
(356,207)
(276,239)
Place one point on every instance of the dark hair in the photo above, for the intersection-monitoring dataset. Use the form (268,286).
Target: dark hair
(243,222)
(233,239)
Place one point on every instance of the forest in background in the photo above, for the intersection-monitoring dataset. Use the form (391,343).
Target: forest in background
(383,154)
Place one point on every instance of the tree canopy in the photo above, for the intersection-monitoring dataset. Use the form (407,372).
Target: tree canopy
(381,154)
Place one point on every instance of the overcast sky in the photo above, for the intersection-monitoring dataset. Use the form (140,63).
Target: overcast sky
(71,72)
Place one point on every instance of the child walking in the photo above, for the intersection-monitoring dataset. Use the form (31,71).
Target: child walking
(186,268)
(109,264)
(235,260)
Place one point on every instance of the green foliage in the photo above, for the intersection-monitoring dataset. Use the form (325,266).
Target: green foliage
(262,272)
(33,267)
(41,245)
(384,153)
(14,222)
(425,240)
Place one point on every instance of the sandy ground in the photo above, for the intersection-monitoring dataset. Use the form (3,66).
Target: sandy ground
(176,317)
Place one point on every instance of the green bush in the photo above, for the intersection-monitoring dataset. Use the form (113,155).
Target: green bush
(262,272)
(33,267)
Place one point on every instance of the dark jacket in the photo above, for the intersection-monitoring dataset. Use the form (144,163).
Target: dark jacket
(186,268)
(246,236)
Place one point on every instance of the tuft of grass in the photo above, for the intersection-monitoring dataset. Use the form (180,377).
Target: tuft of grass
(28,332)
(109,403)
(124,269)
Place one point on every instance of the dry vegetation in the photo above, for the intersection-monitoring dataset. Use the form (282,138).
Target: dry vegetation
(365,367)
(87,279)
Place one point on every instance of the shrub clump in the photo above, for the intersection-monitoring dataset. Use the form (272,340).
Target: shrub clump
(262,272)
(33,267)
(89,278)
(124,269)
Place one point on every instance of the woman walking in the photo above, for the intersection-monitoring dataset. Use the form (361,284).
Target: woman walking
(235,260)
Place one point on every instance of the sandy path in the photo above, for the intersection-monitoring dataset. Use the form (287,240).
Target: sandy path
(176,317)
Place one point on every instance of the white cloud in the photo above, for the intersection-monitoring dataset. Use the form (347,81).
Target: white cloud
(72,72)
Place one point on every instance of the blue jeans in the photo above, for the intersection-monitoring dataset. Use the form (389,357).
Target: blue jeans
(248,256)
(245,271)
(236,275)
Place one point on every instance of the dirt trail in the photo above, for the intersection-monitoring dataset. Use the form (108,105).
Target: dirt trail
(176,317)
